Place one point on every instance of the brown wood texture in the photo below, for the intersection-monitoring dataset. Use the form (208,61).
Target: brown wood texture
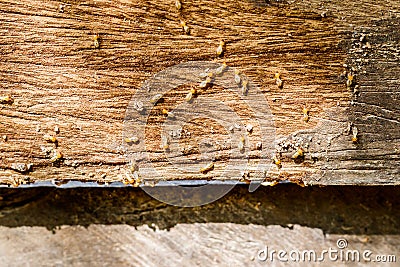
(56,76)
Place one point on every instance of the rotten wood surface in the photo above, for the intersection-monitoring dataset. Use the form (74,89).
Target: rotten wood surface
(57,77)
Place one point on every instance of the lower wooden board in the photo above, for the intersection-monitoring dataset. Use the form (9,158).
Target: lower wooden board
(223,244)
(125,226)
(71,75)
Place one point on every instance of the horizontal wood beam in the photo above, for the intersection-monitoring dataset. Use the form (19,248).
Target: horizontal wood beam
(71,71)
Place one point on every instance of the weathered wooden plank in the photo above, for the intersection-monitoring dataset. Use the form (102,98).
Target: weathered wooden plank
(57,77)
(223,244)
(104,226)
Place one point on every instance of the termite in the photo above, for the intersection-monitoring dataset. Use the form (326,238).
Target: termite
(16,182)
(273,183)
(132,140)
(164,111)
(305,114)
(136,179)
(164,142)
(185,27)
(221,69)
(354,138)
(299,153)
(133,166)
(155,98)
(205,83)
(221,48)
(6,99)
(259,146)
(249,128)
(133,178)
(207,168)
(190,95)
(241,144)
(279,83)
(50,138)
(178,4)
(57,156)
(278,80)
(61,8)
(168,113)
(277,161)
(245,176)
(350,80)
(205,73)
(237,76)
(128,179)
(96,41)
(245,87)
(56,129)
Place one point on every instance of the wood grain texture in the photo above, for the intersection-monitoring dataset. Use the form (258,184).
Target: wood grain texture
(56,77)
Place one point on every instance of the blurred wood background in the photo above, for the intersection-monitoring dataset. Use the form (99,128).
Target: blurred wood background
(52,74)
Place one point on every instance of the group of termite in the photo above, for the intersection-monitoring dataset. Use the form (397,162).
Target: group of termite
(208,79)
(50,138)
(243,83)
